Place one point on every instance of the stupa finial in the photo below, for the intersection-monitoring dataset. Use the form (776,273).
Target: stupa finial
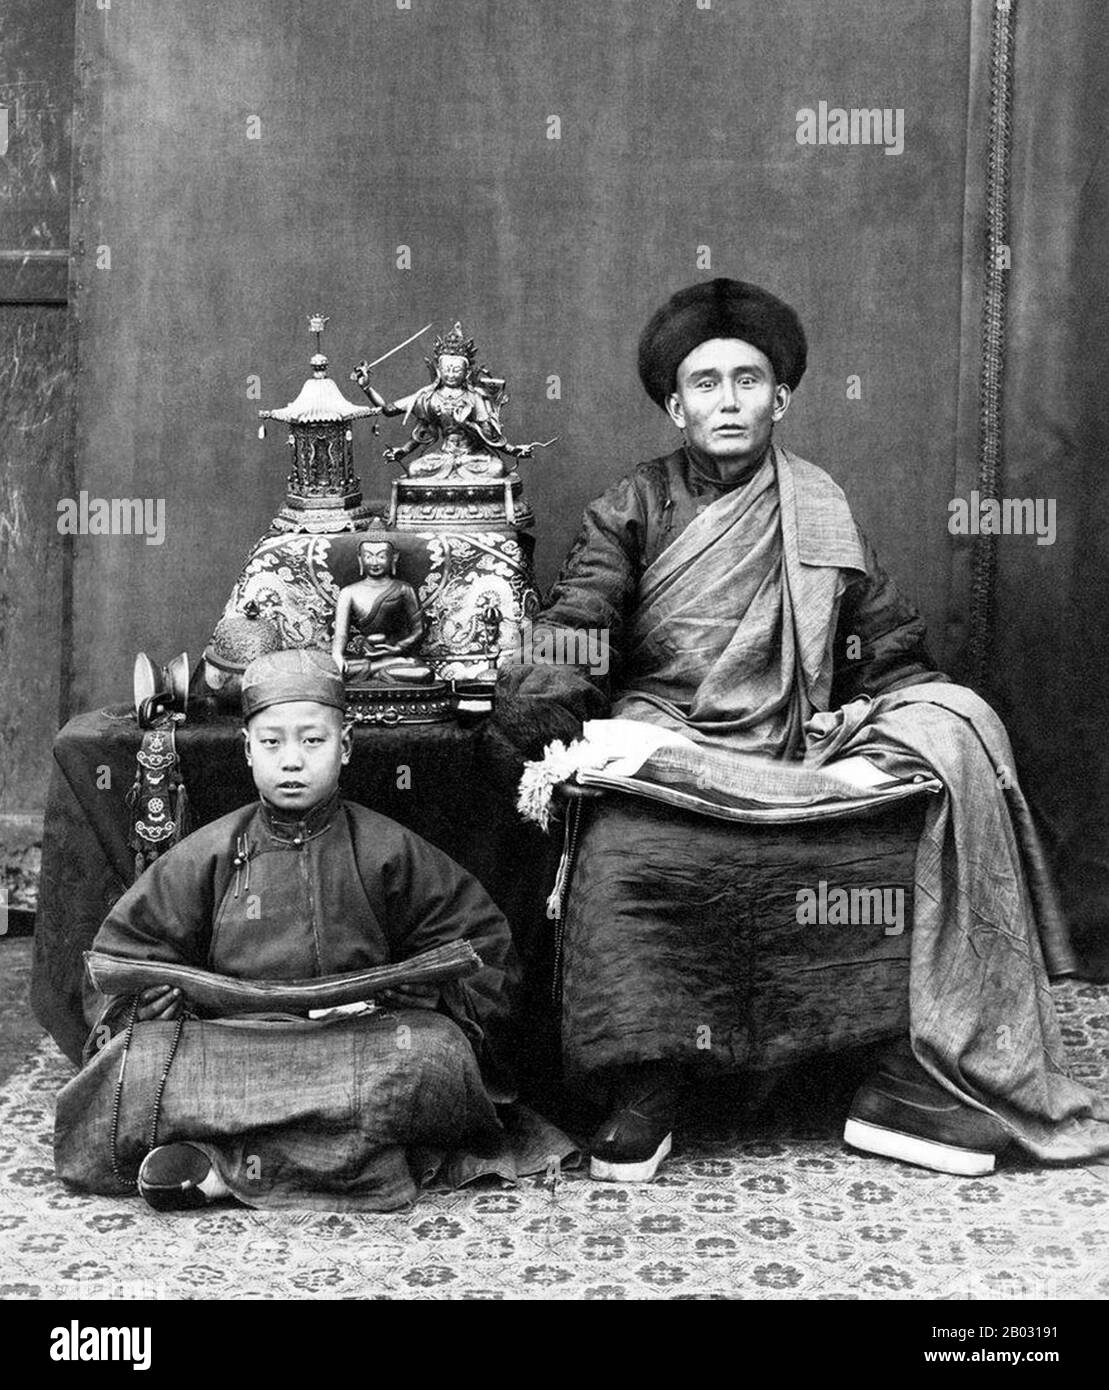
(316,324)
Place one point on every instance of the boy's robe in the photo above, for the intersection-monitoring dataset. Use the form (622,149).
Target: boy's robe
(295,1112)
(258,895)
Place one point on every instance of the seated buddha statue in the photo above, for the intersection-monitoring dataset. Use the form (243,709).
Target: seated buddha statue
(378,623)
(457,427)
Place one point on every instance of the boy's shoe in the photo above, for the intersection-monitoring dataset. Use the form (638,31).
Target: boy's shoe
(902,1113)
(638,1133)
(180,1177)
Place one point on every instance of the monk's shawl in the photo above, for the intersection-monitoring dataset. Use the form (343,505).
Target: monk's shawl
(732,639)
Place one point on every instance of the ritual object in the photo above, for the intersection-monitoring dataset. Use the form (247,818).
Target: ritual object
(324,495)
(378,622)
(160,691)
(157,799)
(458,512)
(408,598)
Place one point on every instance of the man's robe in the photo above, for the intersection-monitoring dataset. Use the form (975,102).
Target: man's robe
(755,618)
(338,1114)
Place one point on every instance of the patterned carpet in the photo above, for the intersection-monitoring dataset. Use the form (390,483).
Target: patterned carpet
(786,1214)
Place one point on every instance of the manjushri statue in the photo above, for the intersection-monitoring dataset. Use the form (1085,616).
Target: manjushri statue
(378,623)
(457,417)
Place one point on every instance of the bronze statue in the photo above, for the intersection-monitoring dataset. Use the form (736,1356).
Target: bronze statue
(378,622)
(458,414)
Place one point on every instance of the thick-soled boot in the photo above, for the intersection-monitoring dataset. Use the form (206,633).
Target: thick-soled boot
(638,1132)
(900,1112)
(180,1177)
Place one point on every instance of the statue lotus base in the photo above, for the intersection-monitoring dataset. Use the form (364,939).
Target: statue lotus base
(418,504)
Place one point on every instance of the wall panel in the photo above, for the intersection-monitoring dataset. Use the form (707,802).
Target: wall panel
(427,127)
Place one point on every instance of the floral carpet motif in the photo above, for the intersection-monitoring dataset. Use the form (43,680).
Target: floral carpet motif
(790,1214)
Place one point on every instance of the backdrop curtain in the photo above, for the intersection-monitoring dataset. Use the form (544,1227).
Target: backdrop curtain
(549,174)
(1049,656)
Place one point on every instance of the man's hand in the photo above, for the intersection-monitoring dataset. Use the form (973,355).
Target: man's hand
(160,1002)
(412,997)
(574,791)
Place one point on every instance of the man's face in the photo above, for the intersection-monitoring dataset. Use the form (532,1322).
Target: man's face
(295,751)
(727,401)
(377,560)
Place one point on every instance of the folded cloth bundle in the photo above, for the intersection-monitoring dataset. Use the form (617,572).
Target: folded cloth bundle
(223,994)
(663,765)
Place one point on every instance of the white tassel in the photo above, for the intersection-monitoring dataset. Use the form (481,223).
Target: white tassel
(558,764)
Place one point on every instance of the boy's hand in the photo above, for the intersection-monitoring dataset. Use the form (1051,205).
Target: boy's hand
(160,1002)
(412,997)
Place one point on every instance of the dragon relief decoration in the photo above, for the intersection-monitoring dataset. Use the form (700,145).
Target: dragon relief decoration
(476,594)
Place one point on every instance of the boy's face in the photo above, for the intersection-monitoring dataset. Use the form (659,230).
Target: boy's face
(295,751)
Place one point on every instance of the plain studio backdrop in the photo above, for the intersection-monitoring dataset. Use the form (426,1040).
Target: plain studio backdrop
(548,174)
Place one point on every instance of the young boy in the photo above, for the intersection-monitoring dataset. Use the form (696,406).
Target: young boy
(292,1112)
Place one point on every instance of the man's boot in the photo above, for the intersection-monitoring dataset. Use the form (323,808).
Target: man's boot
(900,1112)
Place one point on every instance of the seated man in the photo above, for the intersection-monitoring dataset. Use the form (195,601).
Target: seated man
(745,610)
(340,1113)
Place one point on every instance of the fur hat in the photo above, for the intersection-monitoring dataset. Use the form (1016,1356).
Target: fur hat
(720,309)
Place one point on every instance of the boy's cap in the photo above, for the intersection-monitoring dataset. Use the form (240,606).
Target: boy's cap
(298,674)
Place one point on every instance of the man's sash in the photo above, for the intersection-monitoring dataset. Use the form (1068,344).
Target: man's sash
(819,541)
(755,578)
